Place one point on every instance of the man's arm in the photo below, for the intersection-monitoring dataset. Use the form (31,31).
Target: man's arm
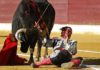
(73,47)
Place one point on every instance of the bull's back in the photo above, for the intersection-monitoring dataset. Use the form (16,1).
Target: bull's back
(48,13)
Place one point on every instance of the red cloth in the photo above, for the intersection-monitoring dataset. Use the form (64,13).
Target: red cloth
(8,54)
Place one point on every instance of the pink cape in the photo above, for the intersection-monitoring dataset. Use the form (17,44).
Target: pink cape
(8,54)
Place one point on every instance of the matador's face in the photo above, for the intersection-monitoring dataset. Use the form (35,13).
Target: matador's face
(66,33)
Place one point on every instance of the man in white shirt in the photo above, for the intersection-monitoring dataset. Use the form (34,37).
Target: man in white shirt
(63,50)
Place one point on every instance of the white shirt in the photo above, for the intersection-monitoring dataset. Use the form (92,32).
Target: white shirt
(70,45)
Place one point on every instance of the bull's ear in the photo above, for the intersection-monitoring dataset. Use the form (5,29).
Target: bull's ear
(20,35)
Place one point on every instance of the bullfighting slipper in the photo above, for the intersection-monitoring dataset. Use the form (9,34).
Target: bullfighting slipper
(46,61)
(77,62)
(67,65)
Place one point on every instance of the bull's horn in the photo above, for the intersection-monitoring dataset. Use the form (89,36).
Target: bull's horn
(18,34)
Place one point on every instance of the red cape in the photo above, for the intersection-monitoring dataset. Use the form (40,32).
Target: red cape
(8,54)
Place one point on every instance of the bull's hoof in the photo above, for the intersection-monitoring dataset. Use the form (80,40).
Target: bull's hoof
(30,61)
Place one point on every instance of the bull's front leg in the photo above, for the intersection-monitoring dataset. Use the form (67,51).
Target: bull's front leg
(32,47)
(31,59)
(39,46)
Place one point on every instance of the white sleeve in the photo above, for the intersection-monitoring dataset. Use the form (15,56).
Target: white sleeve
(58,45)
(73,47)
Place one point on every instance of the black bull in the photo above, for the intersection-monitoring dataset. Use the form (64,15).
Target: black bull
(27,13)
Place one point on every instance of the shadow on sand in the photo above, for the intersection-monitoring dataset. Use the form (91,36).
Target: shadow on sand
(91,61)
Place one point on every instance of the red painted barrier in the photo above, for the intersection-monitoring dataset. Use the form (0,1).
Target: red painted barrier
(67,11)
